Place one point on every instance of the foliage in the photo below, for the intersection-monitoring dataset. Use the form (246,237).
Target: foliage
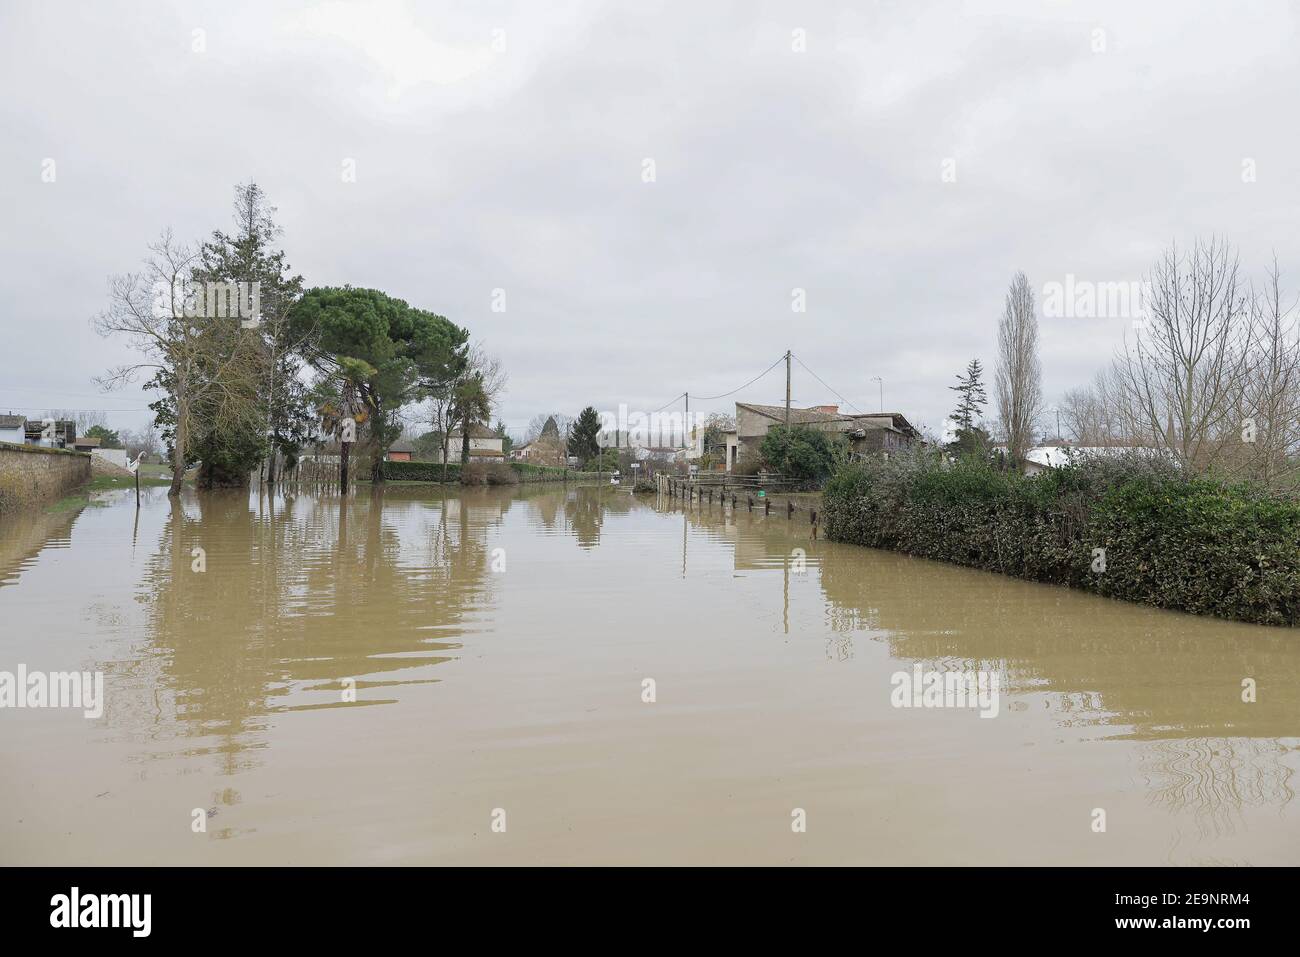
(419,472)
(108,439)
(584,442)
(507,443)
(428,446)
(382,350)
(488,473)
(1169,539)
(470,405)
(973,441)
(972,399)
(804,455)
(265,388)
(606,461)
(531,472)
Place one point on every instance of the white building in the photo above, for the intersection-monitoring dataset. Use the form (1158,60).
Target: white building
(13,428)
(484,446)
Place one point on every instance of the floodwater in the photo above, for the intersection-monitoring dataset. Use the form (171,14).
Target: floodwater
(498,643)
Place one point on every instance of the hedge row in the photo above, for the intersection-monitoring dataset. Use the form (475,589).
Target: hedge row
(420,471)
(1135,530)
(432,472)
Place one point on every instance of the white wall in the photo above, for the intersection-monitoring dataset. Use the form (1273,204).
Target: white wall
(116,456)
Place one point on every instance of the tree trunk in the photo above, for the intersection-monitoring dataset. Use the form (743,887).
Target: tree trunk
(345,449)
(178,455)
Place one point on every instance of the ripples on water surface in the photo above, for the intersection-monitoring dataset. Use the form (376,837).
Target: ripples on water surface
(522,690)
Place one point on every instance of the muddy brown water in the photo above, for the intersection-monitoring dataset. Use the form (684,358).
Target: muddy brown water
(499,643)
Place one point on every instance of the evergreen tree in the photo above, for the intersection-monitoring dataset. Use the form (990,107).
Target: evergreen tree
(507,443)
(108,438)
(374,353)
(972,397)
(584,441)
(263,410)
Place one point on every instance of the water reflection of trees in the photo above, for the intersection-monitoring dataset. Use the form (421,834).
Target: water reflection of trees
(579,510)
(298,594)
(587,506)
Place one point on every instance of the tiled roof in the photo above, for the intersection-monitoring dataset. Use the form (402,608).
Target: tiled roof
(476,431)
(797,416)
(12,421)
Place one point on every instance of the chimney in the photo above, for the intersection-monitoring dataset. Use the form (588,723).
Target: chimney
(832,409)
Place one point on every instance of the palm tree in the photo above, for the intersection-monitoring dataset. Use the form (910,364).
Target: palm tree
(470,405)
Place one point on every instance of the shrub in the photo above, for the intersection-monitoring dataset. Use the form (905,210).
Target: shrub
(488,473)
(1170,540)
(642,487)
(420,471)
(807,457)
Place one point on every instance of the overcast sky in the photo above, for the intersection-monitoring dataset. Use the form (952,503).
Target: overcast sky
(503,146)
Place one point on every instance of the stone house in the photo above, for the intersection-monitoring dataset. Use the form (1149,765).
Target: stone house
(866,433)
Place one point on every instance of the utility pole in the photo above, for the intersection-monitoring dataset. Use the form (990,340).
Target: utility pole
(787,390)
(877,378)
(686,421)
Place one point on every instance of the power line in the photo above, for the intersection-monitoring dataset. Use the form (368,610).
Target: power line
(823,382)
(59,408)
(669,402)
(709,398)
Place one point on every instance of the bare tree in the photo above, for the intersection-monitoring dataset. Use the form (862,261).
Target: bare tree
(492,378)
(83,419)
(141,441)
(1091,415)
(194,360)
(1018,378)
(1180,379)
(1269,409)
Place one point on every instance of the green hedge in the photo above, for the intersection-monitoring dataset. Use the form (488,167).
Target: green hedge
(420,472)
(1170,540)
(432,472)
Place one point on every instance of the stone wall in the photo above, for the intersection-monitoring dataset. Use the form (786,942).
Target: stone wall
(31,475)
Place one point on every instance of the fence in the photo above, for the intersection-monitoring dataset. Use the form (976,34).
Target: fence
(742,495)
